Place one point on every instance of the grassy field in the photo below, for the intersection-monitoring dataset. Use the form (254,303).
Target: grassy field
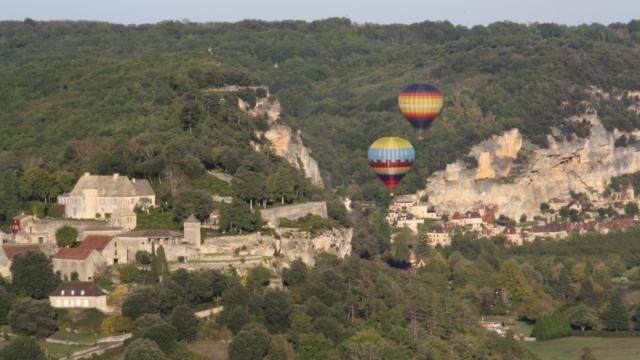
(209,349)
(570,348)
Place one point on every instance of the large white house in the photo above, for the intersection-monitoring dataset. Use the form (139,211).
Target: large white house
(111,197)
(79,294)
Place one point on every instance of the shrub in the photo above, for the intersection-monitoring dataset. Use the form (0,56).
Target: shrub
(553,326)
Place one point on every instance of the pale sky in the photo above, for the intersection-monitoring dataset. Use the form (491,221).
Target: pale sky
(464,12)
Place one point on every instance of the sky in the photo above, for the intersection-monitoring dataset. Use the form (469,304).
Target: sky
(463,12)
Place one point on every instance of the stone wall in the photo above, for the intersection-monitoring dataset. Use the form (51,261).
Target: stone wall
(292,212)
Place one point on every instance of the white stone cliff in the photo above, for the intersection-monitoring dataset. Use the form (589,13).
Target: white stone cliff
(286,143)
(519,187)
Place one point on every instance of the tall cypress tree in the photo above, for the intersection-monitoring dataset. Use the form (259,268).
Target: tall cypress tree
(616,316)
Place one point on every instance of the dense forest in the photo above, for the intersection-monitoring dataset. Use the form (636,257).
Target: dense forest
(141,100)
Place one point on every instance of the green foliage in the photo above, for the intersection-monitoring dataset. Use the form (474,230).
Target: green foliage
(237,217)
(154,327)
(185,322)
(296,274)
(32,317)
(193,202)
(252,342)
(311,223)
(212,185)
(66,236)
(616,316)
(143,349)
(20,348)
(552,326)
(32,274)
(140,301)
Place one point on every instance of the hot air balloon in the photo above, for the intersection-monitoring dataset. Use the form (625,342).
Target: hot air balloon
(391,158)
(420,104)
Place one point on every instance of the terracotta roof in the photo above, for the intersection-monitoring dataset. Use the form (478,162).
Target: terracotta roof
(77,288)
(151,234)
(98,242)
(12,250)
(73,253)
(103,228)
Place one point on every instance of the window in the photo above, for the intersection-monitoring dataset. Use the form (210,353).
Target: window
(62,292)
(82,292)
(73,292)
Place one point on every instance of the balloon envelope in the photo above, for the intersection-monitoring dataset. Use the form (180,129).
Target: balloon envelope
(391,158)
(420,104)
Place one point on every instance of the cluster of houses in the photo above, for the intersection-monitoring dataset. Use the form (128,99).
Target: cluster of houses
(102,210)
(410,212)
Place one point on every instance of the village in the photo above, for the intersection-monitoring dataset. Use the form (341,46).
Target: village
(559,218)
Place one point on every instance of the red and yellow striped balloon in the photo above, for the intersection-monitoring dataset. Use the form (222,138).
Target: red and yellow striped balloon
(391,158)
(421,104)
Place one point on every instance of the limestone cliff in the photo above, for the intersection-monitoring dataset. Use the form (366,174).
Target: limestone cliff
(518,176)
(286,143)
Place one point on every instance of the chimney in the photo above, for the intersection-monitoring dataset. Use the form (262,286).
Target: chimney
(86,174)
(133,180)
(115,175)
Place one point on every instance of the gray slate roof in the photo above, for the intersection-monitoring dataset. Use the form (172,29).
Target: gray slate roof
(90,289)
(112,185)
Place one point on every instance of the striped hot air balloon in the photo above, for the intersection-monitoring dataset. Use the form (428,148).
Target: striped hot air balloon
(391,158)
(420,104)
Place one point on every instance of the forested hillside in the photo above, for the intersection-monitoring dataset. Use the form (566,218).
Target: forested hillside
(333,77)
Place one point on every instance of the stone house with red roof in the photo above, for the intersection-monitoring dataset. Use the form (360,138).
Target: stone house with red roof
(8,252)
(107,247)
(85,262)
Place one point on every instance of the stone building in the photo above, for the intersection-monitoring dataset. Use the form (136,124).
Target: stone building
(79,294)
(106,247)
(29,229)
(192,234)
(8,252)
(85,262)
(108,197)
(173,242)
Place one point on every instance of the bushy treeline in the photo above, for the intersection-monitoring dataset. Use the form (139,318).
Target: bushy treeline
(336,310)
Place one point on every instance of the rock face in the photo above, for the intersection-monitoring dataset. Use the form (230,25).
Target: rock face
(286,143)
(289,245)
(518,176)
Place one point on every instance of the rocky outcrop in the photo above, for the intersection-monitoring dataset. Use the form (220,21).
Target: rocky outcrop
(518,176)
(289,245)
(286,143)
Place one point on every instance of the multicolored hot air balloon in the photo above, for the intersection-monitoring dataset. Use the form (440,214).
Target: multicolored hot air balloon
(420,104)
(391,158)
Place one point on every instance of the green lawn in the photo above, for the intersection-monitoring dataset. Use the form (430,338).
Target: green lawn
(71,336)
(521,327)
(570,348)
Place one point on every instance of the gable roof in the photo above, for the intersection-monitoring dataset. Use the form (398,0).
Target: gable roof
(12,250)
(98,242)
(192,220)
(77,287)
(112,185)
(73,253)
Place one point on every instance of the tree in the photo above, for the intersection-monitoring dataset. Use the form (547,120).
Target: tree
(616,316)
(552,326)
(584,318)
(296,274)
(276,308)
(185,322)
(143,349)
(115,324)
(143,258)
(22,348)
(33,318)
(142,300)
(234,318)
(314,347)
(514,281)
(32,274)
(66,236)
(196,202)
(258,278)
(251,343)
(75,276)
(154,327)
